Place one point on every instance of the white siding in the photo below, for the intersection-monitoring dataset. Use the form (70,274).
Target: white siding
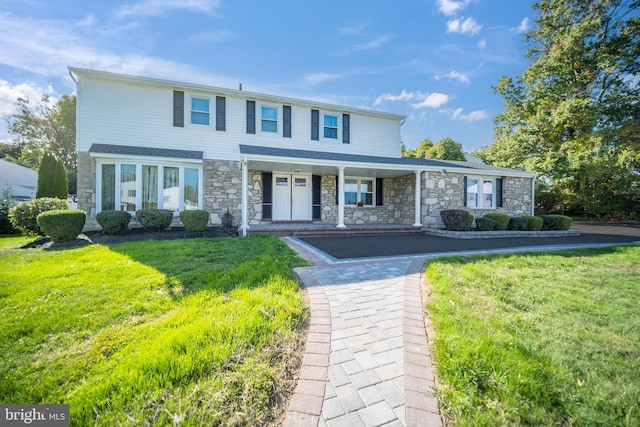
(142,115)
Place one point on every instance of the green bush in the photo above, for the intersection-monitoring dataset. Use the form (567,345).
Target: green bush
(502,220)
(113,222)
(517,223)
(195,220)
(24,217)
(155,219)
(485,224)
(555,222)
(534,223)
(62,225)
(457,219)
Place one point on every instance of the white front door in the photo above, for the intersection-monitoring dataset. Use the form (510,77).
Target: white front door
(291,197)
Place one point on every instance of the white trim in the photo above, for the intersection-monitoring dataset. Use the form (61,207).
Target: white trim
(211,110)
(480,194)
(340,197)
(145,159)
(279,119)
(418,200)
(245,197)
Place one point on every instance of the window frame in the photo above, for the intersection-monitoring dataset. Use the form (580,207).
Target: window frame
(335,129)
(480,195)
(210,113)
(358,181)
(117,200)
(269,120)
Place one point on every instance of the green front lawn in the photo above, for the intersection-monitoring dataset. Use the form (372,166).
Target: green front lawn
(198,331)
(538,339)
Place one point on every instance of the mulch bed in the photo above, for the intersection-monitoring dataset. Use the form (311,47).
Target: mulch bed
(131,235)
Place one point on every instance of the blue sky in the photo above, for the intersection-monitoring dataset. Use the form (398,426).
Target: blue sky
(434,61)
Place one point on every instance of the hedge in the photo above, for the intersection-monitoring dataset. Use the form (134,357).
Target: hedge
(485,224)
(195,220)
(502,220)
(534,223)
(24,217)
(113,222)
(457,219)
(518,223)
(555,222)
(155,219)
(62,225)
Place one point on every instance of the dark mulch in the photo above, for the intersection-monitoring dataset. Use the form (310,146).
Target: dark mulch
(132,235)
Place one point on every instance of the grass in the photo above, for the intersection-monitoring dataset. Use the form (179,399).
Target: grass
(198,332)
(538,339)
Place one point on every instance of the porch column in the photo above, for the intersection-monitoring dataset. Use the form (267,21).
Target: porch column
(245,197)
(418,207)
(341,197)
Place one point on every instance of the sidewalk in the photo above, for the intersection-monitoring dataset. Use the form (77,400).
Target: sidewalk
(366,361)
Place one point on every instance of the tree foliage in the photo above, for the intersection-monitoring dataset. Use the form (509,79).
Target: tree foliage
(446,149)
(573,115)
(52,178)
(51,127)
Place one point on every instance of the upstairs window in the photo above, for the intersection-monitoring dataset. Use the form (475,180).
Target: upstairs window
(269,119)
(200,111)
(330,126)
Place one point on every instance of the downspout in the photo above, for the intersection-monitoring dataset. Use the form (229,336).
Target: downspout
(533,196)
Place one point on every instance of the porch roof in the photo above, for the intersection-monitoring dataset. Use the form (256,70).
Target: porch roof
(321,162)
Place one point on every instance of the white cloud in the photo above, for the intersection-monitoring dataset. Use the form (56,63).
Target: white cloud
(318,78)
(404,96)
(469,25)
(454,75)
(523,27)
(450,7)
(432,100)
(9,94)
(471,117)
(482,43)
(160,7)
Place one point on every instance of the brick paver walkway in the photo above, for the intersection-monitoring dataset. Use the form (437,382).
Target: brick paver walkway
(366,361)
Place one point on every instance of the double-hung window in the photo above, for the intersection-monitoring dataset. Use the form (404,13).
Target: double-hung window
(330,126)
(269,119)
(359,191)
(200,111)
(480,192)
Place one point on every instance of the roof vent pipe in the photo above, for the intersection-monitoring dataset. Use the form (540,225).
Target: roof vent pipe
(240,86)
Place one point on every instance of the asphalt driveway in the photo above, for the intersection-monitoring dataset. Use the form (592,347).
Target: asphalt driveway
(384,245)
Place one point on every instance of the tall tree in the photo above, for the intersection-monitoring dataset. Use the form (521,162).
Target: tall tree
(573,115)
(49,127)
(46,176)
(446,149)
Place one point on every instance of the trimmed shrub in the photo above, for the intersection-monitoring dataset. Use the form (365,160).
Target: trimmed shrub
(155,219)
(534,223)
(555,222)
(502,220)
(517,223)
(195,220)
(24,217)
(457,219)
(113,222)
(485,224)
(62,225)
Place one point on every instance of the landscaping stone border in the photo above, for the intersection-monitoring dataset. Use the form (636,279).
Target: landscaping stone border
(498,234)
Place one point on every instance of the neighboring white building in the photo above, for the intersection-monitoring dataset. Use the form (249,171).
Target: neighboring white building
(22,181)
(147,143)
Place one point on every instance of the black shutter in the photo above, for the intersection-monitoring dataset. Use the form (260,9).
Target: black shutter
(178,108)
(286,121)
(498,192)
(267,181)
(315,125)
(346,137)
(337,188)
(251,117)
(379,184)
(464,197)
(316,196)
(221,113)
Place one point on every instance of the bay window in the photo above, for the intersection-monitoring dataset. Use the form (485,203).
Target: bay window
(147,186)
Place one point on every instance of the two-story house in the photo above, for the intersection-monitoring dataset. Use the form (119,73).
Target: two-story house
(153,143)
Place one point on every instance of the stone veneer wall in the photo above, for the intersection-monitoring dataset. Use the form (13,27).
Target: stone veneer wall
(86,189)
(443,191)
(222,189)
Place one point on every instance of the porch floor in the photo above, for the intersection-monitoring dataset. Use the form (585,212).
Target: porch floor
(312,229)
